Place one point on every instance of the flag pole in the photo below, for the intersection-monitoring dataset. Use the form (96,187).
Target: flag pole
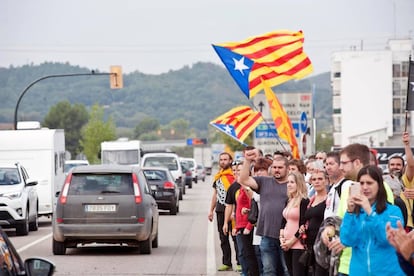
(408,91)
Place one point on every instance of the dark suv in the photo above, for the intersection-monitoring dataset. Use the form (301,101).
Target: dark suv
(105,204)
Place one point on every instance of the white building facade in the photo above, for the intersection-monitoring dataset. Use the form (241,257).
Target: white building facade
(369,94)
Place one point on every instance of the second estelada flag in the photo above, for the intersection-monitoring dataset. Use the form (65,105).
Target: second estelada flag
(238,123)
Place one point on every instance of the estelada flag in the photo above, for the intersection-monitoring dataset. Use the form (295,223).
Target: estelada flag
(238,122)
(274,57)
(282,121)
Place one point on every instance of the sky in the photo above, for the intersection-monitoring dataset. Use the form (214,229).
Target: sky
(156,36)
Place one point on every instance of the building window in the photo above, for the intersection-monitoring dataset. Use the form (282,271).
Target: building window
(404,70)
(396,106)
(396,124)
(396,87)
(396,70)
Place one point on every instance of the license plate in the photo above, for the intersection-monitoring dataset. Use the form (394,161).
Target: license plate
(153,187)
(100,208)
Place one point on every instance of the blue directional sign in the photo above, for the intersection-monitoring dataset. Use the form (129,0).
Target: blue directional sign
(303,122)
(264,130)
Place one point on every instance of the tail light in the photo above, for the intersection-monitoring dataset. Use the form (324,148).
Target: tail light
(169,185)
(137,192)
(64,194)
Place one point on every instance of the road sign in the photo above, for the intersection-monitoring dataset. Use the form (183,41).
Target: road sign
(303,122)
(264,130)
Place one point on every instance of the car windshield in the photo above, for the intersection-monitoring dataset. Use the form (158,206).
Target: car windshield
(122,157)
(92,184)
(161,161)
(67,167)
(9,176)
(190,163)
(155,175)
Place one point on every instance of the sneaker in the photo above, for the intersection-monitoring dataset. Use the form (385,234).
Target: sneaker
(225,268)
(238,268)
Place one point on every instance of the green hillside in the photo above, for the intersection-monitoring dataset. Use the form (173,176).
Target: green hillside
(198,94)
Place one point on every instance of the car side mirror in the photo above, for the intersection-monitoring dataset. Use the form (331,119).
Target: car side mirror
(39,267)
(31,182)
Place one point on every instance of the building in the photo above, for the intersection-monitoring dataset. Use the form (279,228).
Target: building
(369,94)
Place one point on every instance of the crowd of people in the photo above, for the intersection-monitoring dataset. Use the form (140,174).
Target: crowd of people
(335,213)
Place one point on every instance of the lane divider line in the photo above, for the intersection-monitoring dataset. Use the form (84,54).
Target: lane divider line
(27,246)
(211,255)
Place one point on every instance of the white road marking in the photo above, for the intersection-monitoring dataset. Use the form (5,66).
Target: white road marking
(211,255)
(21,249)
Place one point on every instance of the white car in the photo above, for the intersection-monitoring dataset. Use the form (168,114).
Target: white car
(19,202)
(192,165)
(168,160)
(69,164)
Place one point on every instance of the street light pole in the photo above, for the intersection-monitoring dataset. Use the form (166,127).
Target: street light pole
(93,73)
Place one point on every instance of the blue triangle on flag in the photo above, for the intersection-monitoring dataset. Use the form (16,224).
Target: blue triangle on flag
(238,66)
(229,129)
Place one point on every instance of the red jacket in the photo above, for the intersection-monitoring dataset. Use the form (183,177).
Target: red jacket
(242,201)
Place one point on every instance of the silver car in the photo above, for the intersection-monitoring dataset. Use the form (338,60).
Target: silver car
(105,204)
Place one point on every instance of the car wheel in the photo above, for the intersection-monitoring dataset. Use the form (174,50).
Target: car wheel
(195,180)
(23,228)
(59,248)
(173,208)
(155,241)
(145,246)
(34,225)
(180,195)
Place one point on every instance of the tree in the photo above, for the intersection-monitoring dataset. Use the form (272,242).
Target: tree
(147,125)
(324,141)
(71,118)
(236,145)
(180,127)
(95,132)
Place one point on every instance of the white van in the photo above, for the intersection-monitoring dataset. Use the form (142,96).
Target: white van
(168,160)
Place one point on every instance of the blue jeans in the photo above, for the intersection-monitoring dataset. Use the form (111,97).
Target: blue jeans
(272,257)
(259,258)
(242,261)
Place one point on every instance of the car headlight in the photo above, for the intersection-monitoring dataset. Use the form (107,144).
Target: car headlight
(12,195)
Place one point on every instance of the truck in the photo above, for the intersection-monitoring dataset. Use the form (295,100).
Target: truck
(122,151)
(42,153)
(203,155)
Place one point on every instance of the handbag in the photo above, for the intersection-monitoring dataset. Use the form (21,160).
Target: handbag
(254,212)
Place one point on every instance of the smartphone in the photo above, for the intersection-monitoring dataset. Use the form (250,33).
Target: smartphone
(355,188)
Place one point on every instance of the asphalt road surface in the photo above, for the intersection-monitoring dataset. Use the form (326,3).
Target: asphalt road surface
(188,245)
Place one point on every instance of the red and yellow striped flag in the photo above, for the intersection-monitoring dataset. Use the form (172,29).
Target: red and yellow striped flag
(282,122)
(274,57)
(238,123)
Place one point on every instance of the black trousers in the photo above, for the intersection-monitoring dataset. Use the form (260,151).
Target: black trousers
(224,240)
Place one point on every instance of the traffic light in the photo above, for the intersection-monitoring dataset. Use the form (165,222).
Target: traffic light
(115,78)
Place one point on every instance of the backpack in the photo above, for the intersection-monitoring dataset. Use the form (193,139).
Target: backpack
(323,256)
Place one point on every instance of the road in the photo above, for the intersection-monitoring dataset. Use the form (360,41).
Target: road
(188,245)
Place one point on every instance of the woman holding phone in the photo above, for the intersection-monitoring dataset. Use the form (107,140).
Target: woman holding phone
(363,226)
